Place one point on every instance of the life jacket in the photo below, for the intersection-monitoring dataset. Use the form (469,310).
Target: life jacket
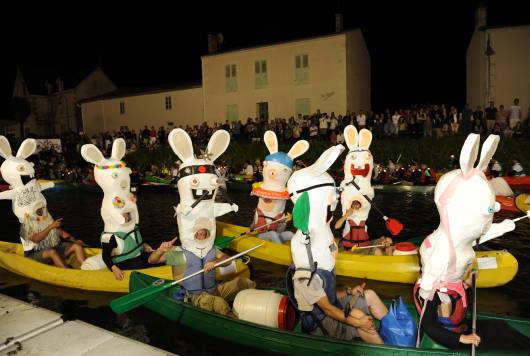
(262,220)
(204,282)
(357,236)
(310,320)
(458,297)
(132,244)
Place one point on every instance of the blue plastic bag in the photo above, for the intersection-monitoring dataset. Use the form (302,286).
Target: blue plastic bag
(398,328)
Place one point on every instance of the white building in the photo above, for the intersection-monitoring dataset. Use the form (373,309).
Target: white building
(498,65)
(326,73)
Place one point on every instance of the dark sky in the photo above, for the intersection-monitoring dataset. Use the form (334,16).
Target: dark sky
(417,48)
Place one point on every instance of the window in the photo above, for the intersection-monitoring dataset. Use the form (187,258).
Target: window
(262,110)
(260,74)
(231,78)
(232,112)
(301,69)
(122,107)
(302,106)
(168,102)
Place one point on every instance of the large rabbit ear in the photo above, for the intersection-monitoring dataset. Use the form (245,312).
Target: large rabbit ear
(92,154)
(271,141)
(365,138)
(298,149)
(488,150)
(118,149)
(351,137)
(469,153)
(218,144)
(326,160)
(180,142)
(5,148)
(27,148)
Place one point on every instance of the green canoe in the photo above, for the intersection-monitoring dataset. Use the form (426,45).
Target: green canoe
(285,342)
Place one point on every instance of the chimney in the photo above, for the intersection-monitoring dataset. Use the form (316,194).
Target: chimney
(59,83)
(338,23)
(213,44)
(481,20)
(49,87)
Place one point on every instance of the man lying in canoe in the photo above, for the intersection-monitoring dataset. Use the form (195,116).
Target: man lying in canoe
(45,241)
(202,290)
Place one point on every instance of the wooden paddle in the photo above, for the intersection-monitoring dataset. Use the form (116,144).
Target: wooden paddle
(135,299)
(393,226)
(353,248)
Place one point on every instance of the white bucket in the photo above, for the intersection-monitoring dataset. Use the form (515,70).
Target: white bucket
(261,307)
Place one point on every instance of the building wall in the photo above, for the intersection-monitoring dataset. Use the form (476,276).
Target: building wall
(358,69)
(147,109)
(326,88)
(96,83)
(510,67)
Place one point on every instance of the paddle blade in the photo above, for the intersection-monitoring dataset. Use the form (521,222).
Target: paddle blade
(394,226)
(138,298)
(223,241)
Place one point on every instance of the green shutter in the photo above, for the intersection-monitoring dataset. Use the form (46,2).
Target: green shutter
(232,112)
(301,70)
(260,76)
(302,106)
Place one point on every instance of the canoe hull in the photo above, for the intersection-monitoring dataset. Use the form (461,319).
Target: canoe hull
(13,260)
(400,269)
(275,340)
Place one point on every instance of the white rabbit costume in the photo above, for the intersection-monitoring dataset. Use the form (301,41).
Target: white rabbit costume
(113,176)
(272,193)
(313,246)
(197,178)
(26,197)
(358,165)
(466,203)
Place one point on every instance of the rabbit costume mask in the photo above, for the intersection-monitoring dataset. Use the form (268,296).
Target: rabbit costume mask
(314,194)
(25,191)
(272,193)
(358,165)
(466,203)
(197,185)
(112,176)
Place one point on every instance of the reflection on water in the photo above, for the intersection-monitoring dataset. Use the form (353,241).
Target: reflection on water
(80,211)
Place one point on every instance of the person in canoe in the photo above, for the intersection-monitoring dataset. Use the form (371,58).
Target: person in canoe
(466,204)
(272,194)
(41,235)
(311,281)
(45,241)
(121,241)
(202,291)
(359,233)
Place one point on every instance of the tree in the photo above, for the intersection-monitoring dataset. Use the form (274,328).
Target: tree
(20,109)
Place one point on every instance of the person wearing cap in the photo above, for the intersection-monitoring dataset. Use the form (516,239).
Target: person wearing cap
(45,241)
(202,291)
(270,218)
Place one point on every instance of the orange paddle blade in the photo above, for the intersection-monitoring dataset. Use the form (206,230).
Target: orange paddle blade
(394,226)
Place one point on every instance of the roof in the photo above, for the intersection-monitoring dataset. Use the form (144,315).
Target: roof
(35,78)
(135,91)
(299,39)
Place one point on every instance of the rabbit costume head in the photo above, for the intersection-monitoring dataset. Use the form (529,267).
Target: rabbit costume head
(25,191)
(466,203)
(314,195)
(118,209)
(197,179)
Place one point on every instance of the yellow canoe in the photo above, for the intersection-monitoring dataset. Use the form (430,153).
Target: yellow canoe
(496,268)
(13,260)
(522,202)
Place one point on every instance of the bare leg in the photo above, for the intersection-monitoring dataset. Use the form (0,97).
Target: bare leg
(54,256)
(378,252)
(376,306)
(78,250)
(369,337)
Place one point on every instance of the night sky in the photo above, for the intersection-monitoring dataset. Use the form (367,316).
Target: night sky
(417,48)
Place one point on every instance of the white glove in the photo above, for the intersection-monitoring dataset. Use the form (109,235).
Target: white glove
(235,208)
(497,230)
